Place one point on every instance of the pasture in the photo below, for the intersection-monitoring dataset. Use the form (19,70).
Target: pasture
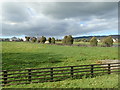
(20,55)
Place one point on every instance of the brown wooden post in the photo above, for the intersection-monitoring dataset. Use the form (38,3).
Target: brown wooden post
(29,75)
(72,71)
(51,73)
(109,69)
(92,67)
(5,76)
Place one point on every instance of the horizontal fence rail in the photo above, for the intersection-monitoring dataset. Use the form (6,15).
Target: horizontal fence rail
(27,76)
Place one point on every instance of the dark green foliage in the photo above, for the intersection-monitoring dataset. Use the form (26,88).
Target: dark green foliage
(27,38)
(21,39)
(88,40)
(58,40)
(42,39)
(38,40)
(49,39)
(34,39)
(53,40)
(84,40)
(108,41)
(64,40)
(93,41)
(68,40)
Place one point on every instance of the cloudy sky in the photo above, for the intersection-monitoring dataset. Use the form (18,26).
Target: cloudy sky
(59,18)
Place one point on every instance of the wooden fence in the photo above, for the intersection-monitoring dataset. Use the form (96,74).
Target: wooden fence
(27,76)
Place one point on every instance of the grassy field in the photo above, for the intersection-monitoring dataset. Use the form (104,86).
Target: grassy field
(106,81)
(19,55)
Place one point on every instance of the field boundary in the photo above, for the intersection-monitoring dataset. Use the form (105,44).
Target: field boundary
(51,74)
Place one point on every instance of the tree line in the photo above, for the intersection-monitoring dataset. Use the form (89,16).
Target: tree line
(107,41)
(40,40)
(68,40)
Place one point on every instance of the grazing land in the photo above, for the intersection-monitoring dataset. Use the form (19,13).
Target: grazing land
(20,55)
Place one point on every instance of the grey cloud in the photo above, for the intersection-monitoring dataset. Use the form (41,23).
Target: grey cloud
(14,12)
(58,19)
(82,10)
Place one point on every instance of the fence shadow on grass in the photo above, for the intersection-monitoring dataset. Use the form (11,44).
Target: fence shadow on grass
(28,60)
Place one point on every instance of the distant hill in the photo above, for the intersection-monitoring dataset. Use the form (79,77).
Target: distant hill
(98,37)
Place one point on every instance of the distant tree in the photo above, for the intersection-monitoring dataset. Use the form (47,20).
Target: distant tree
(53,40)
(77,40)
(27,38)
(58,40)
(64,40)
(93,41)
(84,40)
(108,41)
(69,40)
(43,39)
(38,40)
(21,39)
(34,39)
(88,40)
(49,39)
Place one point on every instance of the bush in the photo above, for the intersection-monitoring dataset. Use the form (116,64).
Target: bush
(84,40)
(53,40)
(42,39)
(49,39)
(64,40)
(93,41)
(27,38)
(34,39)
(58,40)
(108,41)
(69,40)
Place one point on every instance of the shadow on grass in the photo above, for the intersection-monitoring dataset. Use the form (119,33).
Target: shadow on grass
(17,60)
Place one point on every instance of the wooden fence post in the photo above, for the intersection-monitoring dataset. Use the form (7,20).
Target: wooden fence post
(92,67)
(5,76)
(51,73)
(109,69)
(72,71)
(29,75)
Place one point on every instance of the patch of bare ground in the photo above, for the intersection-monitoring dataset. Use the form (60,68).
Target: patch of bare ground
(109,61)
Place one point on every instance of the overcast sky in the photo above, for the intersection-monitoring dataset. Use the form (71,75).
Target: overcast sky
(59,18)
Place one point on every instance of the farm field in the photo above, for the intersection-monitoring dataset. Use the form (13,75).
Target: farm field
(106,81)
(20,55)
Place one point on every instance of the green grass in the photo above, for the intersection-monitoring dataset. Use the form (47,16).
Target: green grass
(106,81)
(20,55)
